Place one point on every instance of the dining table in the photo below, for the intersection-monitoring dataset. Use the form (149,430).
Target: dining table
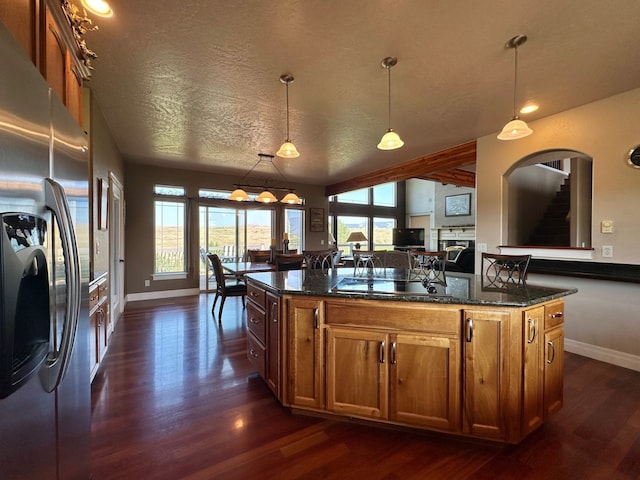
(239,269)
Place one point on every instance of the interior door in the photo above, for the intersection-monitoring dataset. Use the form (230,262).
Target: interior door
(116,248)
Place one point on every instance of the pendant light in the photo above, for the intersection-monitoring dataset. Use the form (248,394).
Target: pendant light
(287,149)
(516,128)
(390,140)
(240,195)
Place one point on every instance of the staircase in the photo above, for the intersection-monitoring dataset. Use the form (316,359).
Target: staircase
(553,229)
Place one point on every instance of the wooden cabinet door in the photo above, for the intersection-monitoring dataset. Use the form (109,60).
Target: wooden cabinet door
(273,344)
(485,367)
(554,370)
(20,18)
(54,56)
(305,324)
(533,369)
(59,69)
(94,358)
(357,372)
(425,380)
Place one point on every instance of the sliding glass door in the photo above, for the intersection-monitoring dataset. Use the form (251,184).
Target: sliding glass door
(229,232)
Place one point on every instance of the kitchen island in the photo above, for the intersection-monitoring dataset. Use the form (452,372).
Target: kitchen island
(455,355)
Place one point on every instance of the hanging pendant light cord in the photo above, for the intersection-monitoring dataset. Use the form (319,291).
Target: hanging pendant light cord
(389,94)
(515,81)
(287,95)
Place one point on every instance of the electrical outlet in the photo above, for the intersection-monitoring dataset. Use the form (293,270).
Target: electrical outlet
(607,251)
(321,242)
(482,247)
(147,283)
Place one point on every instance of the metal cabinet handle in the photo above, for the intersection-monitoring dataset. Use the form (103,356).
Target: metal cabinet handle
(381,352)
(254,320)
(274,308)
(253,353)
(532,328)
(557,315)
(469,332)
(552,349)
(316,322)
(394,352)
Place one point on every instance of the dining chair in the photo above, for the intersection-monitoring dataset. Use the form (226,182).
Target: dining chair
(366,261)
(225,287)
(287,261)
(318,259)
(502,269)
(259,256)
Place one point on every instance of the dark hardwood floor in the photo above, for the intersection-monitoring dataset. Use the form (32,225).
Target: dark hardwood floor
(176,398)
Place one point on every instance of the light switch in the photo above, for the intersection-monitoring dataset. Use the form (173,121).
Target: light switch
(606,226)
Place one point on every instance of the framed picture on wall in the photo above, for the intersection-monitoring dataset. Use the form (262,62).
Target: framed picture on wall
(103,197)
(316,219)
(457,205)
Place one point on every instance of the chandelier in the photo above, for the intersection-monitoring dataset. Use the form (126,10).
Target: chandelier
(266,196)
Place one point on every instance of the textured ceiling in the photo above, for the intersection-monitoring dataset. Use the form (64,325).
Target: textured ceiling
(195,84)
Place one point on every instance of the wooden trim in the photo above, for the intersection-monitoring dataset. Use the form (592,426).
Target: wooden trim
(424,167)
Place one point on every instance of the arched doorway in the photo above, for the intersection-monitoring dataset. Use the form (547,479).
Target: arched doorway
(548,200)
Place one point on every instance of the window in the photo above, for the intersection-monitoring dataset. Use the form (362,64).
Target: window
(374,211)
(385,195)
(347,225)
(382,233)
(170,237)
(360,197)
(294,228)
(168,190)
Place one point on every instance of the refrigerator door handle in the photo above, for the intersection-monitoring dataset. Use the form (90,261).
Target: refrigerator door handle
(58,361)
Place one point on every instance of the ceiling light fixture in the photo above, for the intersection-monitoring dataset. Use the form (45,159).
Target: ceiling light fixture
(287,149)
(240,195)
(390,140)
(516,128)
(529,107)
(98,7)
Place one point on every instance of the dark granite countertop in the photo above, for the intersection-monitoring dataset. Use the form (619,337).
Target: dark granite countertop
(392,284)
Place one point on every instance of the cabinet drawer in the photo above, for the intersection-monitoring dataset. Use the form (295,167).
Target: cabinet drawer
(256,354)
(257,295)
(553,314)
(94,296)
(439,319)
(256,322)
(103,287)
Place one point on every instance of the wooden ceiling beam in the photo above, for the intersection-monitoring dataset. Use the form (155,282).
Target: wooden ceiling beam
(456,176)
(452,158)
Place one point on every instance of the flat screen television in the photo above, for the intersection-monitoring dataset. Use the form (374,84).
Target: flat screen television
(408,237)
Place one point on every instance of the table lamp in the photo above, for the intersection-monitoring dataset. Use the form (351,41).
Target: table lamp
(356,237)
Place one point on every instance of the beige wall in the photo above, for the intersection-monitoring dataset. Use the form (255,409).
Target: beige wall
(105,159)
(605,130)
(139,230)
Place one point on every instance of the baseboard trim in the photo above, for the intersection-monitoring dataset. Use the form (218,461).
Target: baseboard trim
(136,297)
(602,354)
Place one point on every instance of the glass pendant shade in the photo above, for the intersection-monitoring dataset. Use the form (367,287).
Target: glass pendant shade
(239,195)
(288,150)
(390,141)
(98,7)
(266,197)
(291,198)
(515,129)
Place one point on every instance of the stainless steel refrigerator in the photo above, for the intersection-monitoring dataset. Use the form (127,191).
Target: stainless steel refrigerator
(44,271)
